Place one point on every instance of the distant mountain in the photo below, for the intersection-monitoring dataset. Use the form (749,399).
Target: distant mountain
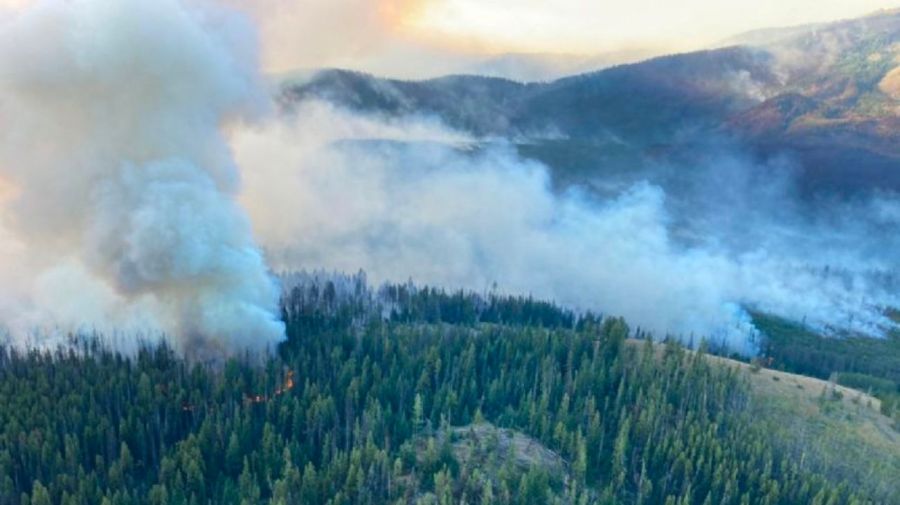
(631,101)
(838,106)
(542,67)
(825,95)
(521,67)
(767,36)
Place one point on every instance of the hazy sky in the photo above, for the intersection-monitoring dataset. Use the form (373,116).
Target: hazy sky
(414,37)
(409,36)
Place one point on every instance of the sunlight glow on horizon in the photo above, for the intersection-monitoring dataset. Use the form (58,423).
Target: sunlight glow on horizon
(590,27)
(398,35)
(14,4)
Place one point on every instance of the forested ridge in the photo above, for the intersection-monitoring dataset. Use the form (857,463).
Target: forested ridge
(358,408)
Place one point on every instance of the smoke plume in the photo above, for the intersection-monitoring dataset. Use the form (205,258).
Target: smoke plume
(404,198)
(120,208)
(123,211)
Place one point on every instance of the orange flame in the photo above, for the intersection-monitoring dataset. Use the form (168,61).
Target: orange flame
(286,386)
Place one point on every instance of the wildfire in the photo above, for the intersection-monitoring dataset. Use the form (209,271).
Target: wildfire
(286,386)
(288,383)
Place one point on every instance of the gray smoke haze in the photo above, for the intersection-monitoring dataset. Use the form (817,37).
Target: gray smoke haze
(123,124)
(119,209)
(327,188)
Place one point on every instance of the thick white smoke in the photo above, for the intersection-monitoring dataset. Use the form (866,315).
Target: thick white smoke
(120,209)
(118,192)
(408,198)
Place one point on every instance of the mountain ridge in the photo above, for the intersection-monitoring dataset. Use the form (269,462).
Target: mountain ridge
(835,80)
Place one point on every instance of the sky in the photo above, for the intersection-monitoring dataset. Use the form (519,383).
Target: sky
(410,37)
(583,26)
(419,38)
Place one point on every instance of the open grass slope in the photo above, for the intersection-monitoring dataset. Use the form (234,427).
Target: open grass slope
(824,426)
(828,427)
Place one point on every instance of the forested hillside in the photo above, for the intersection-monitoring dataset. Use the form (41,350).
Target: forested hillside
(826,96)
(668,282)
(403,408)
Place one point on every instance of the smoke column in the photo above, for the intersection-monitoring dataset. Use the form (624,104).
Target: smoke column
(120,205)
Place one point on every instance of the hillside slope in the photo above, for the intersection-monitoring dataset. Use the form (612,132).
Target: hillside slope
(825,425)
(357,409)
(824,96)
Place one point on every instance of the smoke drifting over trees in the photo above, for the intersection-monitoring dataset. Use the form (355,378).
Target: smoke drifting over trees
(408,198)
(123,210)
(123,187)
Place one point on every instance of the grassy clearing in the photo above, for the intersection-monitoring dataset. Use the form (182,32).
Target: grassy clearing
(826,427)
